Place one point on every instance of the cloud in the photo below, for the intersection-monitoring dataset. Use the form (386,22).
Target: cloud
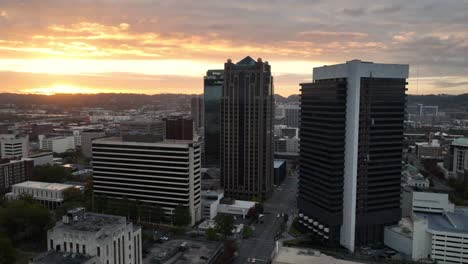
(354,11)
(430,36)
(389,9)
(445,84)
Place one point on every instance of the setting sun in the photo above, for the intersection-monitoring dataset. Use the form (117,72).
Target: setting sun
(60,89)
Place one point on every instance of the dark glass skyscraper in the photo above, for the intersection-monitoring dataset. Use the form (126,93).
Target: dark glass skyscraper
(351,150)
(247,129)
(213,91)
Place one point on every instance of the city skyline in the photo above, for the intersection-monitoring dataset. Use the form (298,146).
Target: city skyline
(166,47)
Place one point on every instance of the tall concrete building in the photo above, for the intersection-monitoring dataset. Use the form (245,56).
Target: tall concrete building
(291,112)
(87,137)
(351,150)
(213,91)
(165,173)
(247,110)
(197,112)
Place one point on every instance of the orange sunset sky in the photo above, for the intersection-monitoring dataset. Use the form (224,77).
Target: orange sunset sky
(167,46)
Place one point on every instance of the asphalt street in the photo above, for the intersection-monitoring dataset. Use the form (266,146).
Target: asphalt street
(261,245)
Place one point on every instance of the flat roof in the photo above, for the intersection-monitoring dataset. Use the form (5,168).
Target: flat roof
(93,222)
(462,142)
(290,255)
(362,69)
(456,222)
(54,257)
(44,185)
(172,143)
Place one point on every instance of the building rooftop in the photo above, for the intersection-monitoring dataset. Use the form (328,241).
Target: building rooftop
(278,162)
(54,257)
(44,185)
(173,143)
(246,61)
(289,255)
(456,222)
(92,222)
(462,142)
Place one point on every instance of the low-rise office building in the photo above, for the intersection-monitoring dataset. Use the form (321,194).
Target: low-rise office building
(14,172)
(42,158)
(51,195)
(210,202)
(59,144)
(429,150)
(109,238)
(434,229)
(54,257)
(13,146)
(235,207)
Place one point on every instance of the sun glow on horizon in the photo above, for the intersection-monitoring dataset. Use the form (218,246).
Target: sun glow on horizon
(61,89)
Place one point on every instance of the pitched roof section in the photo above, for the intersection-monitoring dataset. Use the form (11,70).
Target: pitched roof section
(247,61)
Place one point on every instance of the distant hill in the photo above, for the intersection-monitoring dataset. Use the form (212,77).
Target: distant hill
(445,102)
(92,100)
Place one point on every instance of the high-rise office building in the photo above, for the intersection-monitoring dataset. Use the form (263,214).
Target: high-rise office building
(166,173)
(291,112)
(351,150)
(247,112)
(197,112)
(213,91)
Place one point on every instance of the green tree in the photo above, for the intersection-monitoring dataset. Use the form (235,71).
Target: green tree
(23,221)
(247,231)
(7,251)
(48,173)
(181,216)
(225,224)
(211,234)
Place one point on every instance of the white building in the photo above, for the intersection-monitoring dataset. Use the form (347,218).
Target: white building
(13,146)
(43,158)
(109,238)
(165,173)
(57,144)
(48,194)
(413,178)
(210,202)
(235,207)
(435,230)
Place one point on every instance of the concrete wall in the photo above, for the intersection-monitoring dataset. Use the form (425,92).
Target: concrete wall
(397,241)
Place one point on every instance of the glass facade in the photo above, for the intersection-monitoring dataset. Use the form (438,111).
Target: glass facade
(213,91)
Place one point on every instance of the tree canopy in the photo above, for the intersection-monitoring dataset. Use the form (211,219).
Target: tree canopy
(225,224)
(181,215)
